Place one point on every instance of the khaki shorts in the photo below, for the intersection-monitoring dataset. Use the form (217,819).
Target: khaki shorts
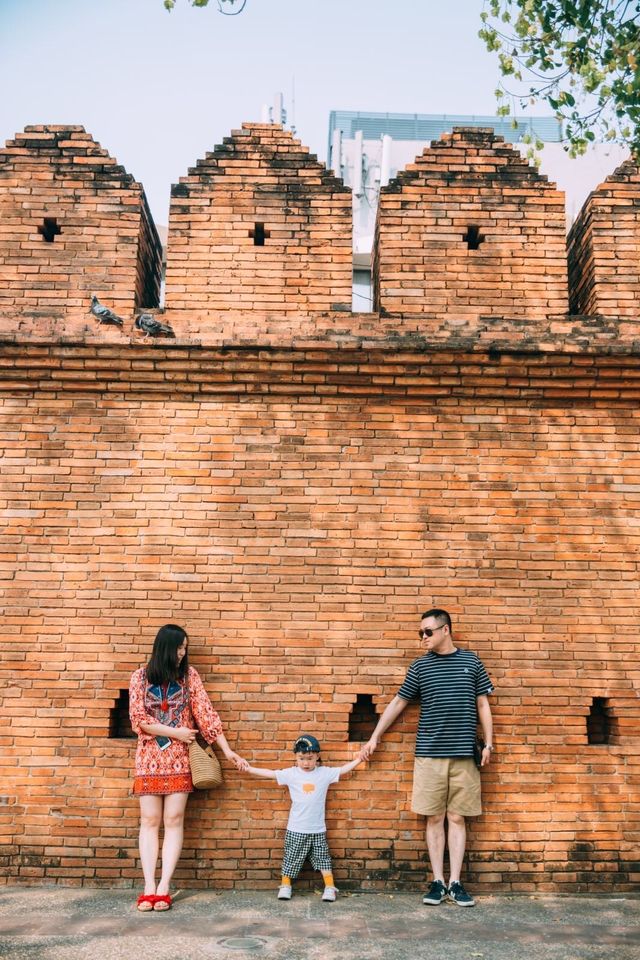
(447,784)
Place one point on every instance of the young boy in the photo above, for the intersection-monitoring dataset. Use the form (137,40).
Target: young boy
(306,834)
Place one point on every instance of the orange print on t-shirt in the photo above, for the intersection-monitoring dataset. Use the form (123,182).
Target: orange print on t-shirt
(308,787)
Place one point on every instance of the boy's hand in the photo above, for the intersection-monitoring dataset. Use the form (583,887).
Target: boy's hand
(369,748)
(240,762)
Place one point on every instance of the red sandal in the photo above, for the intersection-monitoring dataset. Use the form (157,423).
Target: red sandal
(164,899)
(149,898)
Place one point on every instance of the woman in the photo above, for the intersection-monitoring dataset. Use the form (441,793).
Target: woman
(168,705)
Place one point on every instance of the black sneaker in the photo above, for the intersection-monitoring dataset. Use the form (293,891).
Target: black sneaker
(436,893)
(459,895)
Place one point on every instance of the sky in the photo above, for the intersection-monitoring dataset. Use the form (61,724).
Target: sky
(158,89)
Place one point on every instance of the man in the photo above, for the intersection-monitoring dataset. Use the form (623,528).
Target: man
(453,688)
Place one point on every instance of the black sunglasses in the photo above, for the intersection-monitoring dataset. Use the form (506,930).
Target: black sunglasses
(428,632)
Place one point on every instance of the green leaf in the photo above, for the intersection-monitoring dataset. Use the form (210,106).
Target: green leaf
(581,57)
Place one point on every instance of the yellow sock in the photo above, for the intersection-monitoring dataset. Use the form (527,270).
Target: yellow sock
(328,879)
(285,882)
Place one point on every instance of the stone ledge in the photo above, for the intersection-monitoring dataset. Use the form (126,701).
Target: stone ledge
(316,369)
(389,333)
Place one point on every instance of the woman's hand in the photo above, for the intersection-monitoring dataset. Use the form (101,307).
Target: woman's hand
(239,761)
(186,734)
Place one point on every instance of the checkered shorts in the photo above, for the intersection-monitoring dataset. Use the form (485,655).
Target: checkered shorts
(299,846)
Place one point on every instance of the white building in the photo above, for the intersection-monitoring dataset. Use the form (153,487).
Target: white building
(369,149)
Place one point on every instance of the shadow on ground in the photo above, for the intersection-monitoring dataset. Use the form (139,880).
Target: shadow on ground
(56,923)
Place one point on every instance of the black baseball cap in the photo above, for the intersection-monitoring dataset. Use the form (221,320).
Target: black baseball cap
(306,744)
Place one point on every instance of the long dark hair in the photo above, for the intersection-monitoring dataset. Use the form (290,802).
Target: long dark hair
(163,665)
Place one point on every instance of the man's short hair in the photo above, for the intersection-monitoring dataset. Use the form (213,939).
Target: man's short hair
(440,615)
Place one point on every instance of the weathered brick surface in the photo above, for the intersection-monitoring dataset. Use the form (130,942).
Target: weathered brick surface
(260,179)
(470,184)
(295,510)
(72,223)
(604,248)
(295,484)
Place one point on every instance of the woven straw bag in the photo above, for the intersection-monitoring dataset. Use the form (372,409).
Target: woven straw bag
(206,771)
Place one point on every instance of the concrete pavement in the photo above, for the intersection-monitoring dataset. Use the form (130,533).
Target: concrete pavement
(61,923)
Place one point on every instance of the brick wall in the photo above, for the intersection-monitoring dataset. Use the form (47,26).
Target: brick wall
(294,488)
(72,223)
(297,537)
(604,248)
(259,225)
(469,229)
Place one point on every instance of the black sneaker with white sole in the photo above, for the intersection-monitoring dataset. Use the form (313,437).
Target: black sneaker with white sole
(436,893)
(459,895)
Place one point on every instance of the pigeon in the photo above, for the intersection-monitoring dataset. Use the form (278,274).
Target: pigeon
(152,327)
(103,314)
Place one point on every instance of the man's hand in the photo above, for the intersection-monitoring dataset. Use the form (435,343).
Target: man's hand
(369,748)
(486,757)
(391,713)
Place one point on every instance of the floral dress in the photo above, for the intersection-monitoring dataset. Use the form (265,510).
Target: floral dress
(180,704)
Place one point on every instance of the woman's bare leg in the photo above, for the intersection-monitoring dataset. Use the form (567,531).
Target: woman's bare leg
(149,844)
(174,807)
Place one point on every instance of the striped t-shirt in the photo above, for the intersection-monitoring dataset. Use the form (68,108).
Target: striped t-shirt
(447,686)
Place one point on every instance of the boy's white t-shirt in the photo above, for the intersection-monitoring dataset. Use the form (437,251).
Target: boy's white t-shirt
(308,789)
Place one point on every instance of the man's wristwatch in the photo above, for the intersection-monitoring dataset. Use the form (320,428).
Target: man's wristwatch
(488,746)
